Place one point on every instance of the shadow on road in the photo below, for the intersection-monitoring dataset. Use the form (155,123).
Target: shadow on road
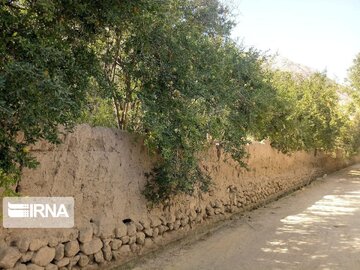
(325,229)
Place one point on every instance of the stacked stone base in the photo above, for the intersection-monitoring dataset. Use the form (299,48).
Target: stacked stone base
(91,247)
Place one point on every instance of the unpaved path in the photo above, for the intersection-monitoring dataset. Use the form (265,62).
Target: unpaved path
(317,227)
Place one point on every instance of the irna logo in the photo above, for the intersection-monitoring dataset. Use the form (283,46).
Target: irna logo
(34,210)
(38,212)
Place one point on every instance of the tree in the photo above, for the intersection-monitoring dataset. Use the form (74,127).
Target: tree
(176,78)
(46,61)
(350,131)
(304,114)
(354,73)
(167,70)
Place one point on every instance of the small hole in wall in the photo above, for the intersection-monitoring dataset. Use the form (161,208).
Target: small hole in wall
(127,220)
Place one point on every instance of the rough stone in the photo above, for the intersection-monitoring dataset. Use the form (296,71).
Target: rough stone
(132,240)
(163,220)
(53,242)
(107,252)
(71,248)
(133,247)
(163,229)
(92,267)
(170,226)
(218,204)
(43,256)
(140,238)
(74,260)
(106,241)
(155,232)
(148,232)
(138,226)
(145,223)
(170,217)
(86,234)
(192,215)
(83,260)
(121,230)
(59,252)
(27,256)
(210,211)
(131,229)
(99,257)
(177,224)
(155,221)
(36,244)
(115,244)
(125,249)
(63,262)
(9,256)
(91,259)
(20,266)
(33,266)
(199,219)
(125,239)
(91,247)
(51,266)
(179,215)
(184,221)
(23,244)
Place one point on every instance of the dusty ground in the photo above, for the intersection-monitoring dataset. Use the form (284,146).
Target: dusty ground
(317,227)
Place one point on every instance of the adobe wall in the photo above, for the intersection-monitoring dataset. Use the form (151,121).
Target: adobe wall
(104,170)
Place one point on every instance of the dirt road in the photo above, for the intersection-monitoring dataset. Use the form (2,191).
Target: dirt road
(317,227)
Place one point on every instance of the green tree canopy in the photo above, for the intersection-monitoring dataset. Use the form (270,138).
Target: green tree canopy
(167,70)
(46,61)
(354,73)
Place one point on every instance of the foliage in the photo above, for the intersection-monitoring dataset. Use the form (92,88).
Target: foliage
(167,70)
(182,83)
(306,113)
(350,131)
(176,77)
(46,61)
(354,73)
(98,110)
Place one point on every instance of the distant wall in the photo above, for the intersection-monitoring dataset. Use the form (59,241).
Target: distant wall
(104,170)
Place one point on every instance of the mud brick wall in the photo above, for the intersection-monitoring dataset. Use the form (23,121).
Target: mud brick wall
(104,170)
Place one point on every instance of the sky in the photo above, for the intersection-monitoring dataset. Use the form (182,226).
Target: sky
(320,34)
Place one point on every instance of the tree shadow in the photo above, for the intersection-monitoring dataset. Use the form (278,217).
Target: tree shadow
(325,235)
